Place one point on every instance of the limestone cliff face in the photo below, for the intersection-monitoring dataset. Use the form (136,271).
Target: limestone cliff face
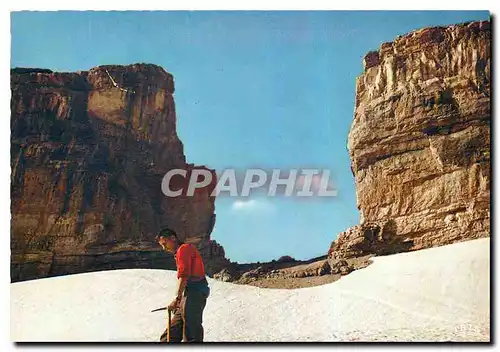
(88,153)
(420,142)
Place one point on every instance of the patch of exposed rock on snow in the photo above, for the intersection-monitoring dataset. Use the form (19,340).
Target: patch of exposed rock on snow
(438,294)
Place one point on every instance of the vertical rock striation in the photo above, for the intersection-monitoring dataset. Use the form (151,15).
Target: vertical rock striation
(420,142)
(88,153)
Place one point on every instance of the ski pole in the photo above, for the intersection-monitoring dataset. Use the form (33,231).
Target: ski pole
(168,325)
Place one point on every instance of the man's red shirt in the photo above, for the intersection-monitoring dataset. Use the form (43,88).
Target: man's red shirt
(189,262)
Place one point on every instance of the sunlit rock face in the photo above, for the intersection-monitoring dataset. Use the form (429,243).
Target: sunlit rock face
(420,142)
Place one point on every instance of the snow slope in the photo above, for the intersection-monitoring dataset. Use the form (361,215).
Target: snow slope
(438,294)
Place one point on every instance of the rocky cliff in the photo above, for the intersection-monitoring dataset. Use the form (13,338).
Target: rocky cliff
(88,153)
(420,142)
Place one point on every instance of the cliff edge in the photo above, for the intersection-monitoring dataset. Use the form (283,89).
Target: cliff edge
(420,142)
(88,153)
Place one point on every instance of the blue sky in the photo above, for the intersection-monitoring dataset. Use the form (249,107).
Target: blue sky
(253,89)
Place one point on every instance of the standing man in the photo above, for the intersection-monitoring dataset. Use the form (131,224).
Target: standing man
(192,289)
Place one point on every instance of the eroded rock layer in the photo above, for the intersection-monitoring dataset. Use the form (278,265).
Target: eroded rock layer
(88,153)
(420,142)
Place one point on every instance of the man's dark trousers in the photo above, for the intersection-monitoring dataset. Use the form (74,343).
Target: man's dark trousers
(188,317)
